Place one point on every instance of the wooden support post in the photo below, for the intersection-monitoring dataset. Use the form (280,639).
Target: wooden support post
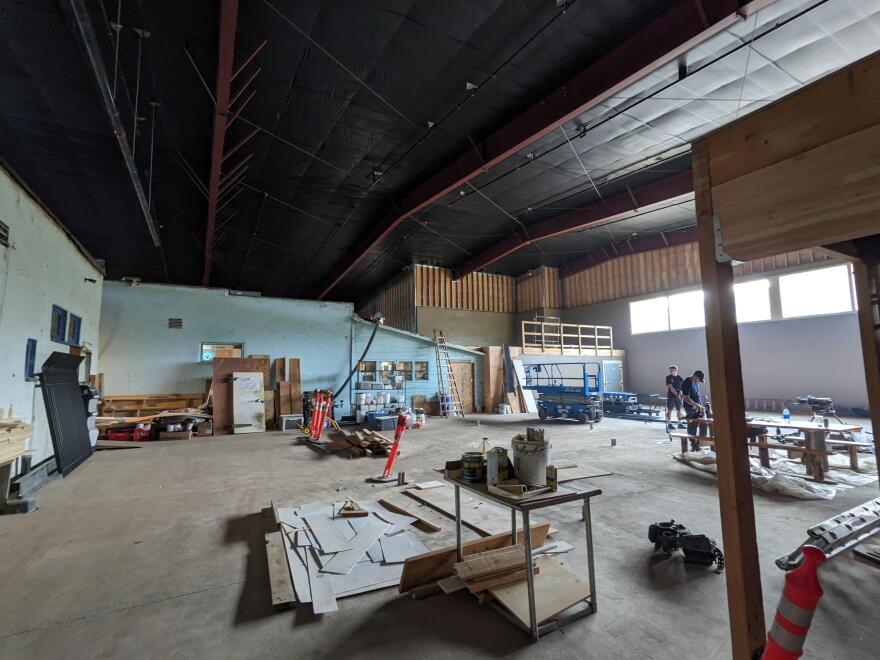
(867,280)
(742,570)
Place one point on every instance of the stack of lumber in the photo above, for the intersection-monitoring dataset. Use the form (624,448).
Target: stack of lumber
(491,569)
(319,554)
(288,387)
(103,423)
(359,443)
(14,435)
(140,405)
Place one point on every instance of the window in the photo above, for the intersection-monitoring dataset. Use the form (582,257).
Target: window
(30,357)
(367,371)
(73,329)
(822,291)
(649,315)
(752,301)
(686,310)
(58,330)
(211,351)
(386,372)
(421,370)
(404,370)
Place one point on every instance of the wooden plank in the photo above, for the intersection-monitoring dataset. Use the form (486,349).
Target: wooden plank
(396,508)
(826,195)
(437,564)
(451,584)
(280,583)
(742,569)
(294,377)
(556,589)
(798,122)
(344,561)
(502,560)
(497,581)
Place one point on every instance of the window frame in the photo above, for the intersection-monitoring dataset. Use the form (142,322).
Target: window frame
(416,378)
(202,345)
(74,329)
(57,323)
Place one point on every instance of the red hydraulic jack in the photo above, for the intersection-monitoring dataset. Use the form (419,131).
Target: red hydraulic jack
(320,413)
(392,455)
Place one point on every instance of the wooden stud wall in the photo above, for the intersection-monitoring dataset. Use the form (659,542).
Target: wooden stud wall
(395,301)
(482,292)
(538,290)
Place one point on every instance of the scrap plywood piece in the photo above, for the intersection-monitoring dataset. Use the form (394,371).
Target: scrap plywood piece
(400,547)
(280,582)
(320,585)
(484,564)
(499,580)
(556,589)
(299,573)
(396,508)
(293,375)
(451,584)
(481,516)
(265,364)
(327,532)
(345,560)
(368,576)
(432,566)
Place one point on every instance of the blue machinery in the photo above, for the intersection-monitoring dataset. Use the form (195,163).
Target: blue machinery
(567,390)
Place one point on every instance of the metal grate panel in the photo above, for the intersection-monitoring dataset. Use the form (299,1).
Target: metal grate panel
(4,235)
(65,410)
(175,324)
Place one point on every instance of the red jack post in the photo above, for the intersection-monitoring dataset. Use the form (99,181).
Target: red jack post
(386,477)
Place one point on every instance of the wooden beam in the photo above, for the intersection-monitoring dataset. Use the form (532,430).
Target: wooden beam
(742,570)
(867,281)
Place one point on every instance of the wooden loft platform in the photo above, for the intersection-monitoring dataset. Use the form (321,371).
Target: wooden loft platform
(551,338)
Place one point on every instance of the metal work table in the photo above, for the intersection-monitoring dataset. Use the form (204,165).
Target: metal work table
(525,506)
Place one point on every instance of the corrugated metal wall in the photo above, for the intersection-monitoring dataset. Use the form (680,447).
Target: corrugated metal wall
(395,301)
(482,292)
(672,267)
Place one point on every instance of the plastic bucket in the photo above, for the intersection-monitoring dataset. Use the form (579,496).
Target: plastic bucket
(530,460)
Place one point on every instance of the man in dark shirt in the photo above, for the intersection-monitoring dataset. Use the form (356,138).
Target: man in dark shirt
(693,407)
(673,396)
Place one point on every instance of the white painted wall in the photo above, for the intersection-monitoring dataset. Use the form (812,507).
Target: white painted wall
(140,354)
(41,267)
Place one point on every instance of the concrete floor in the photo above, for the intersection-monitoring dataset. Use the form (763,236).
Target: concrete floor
(158,552)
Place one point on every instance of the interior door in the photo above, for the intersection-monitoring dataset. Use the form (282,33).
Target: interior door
(464,378)
(248,411)
(612,375)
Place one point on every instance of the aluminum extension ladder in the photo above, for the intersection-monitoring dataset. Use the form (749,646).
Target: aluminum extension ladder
(838,534)
(450,399)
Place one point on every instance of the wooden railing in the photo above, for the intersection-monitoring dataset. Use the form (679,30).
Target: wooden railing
(566,338)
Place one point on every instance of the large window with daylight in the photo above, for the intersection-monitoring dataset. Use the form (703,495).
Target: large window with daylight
(686,310)
(752,301)
(822,291)
(650,315)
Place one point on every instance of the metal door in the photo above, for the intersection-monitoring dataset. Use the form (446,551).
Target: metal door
(612,371)
(248,411)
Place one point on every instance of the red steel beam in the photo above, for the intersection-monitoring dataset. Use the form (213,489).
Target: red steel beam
(671,190)
(225,56)
(683,26)
(633,246)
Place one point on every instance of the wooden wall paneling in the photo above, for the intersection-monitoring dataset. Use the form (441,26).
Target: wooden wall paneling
(742,567)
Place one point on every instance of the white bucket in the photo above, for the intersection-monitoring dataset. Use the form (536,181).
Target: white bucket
(530,460)
(503,409)
(361,398)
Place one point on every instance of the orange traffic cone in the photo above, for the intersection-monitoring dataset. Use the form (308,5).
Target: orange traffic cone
(801,594)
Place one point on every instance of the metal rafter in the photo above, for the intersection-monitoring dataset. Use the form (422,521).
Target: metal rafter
(683,26)
(670,190)
(225,57)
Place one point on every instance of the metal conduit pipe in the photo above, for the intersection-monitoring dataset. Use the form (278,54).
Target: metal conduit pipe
(83,20)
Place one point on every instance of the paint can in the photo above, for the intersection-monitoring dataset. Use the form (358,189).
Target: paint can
(503,408)
(496,465)
(473,467)
(531,455)
(361,398)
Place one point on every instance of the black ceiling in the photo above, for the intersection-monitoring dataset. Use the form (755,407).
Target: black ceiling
(345,95)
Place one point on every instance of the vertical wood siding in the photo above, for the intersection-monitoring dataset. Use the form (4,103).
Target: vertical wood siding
(672,267)
(395,301)
(484,292)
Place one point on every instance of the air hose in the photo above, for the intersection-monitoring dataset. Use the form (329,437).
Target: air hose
(377,319)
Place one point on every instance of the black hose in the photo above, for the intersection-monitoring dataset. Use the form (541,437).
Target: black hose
(363,355)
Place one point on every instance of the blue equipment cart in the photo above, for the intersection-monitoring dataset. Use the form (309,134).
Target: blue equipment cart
(567,390)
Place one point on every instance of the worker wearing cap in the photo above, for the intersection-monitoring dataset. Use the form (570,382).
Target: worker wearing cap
(693,406)
(673,396)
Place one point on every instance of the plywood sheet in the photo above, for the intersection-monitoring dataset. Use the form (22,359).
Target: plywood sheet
(328,533)
(299,573)
(320,584)
(344,561)
(556,589)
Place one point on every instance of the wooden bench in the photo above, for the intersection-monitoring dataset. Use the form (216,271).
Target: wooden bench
(851,446)
(814,466)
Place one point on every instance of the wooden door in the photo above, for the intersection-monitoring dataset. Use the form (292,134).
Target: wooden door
(464,378)
(248,412)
